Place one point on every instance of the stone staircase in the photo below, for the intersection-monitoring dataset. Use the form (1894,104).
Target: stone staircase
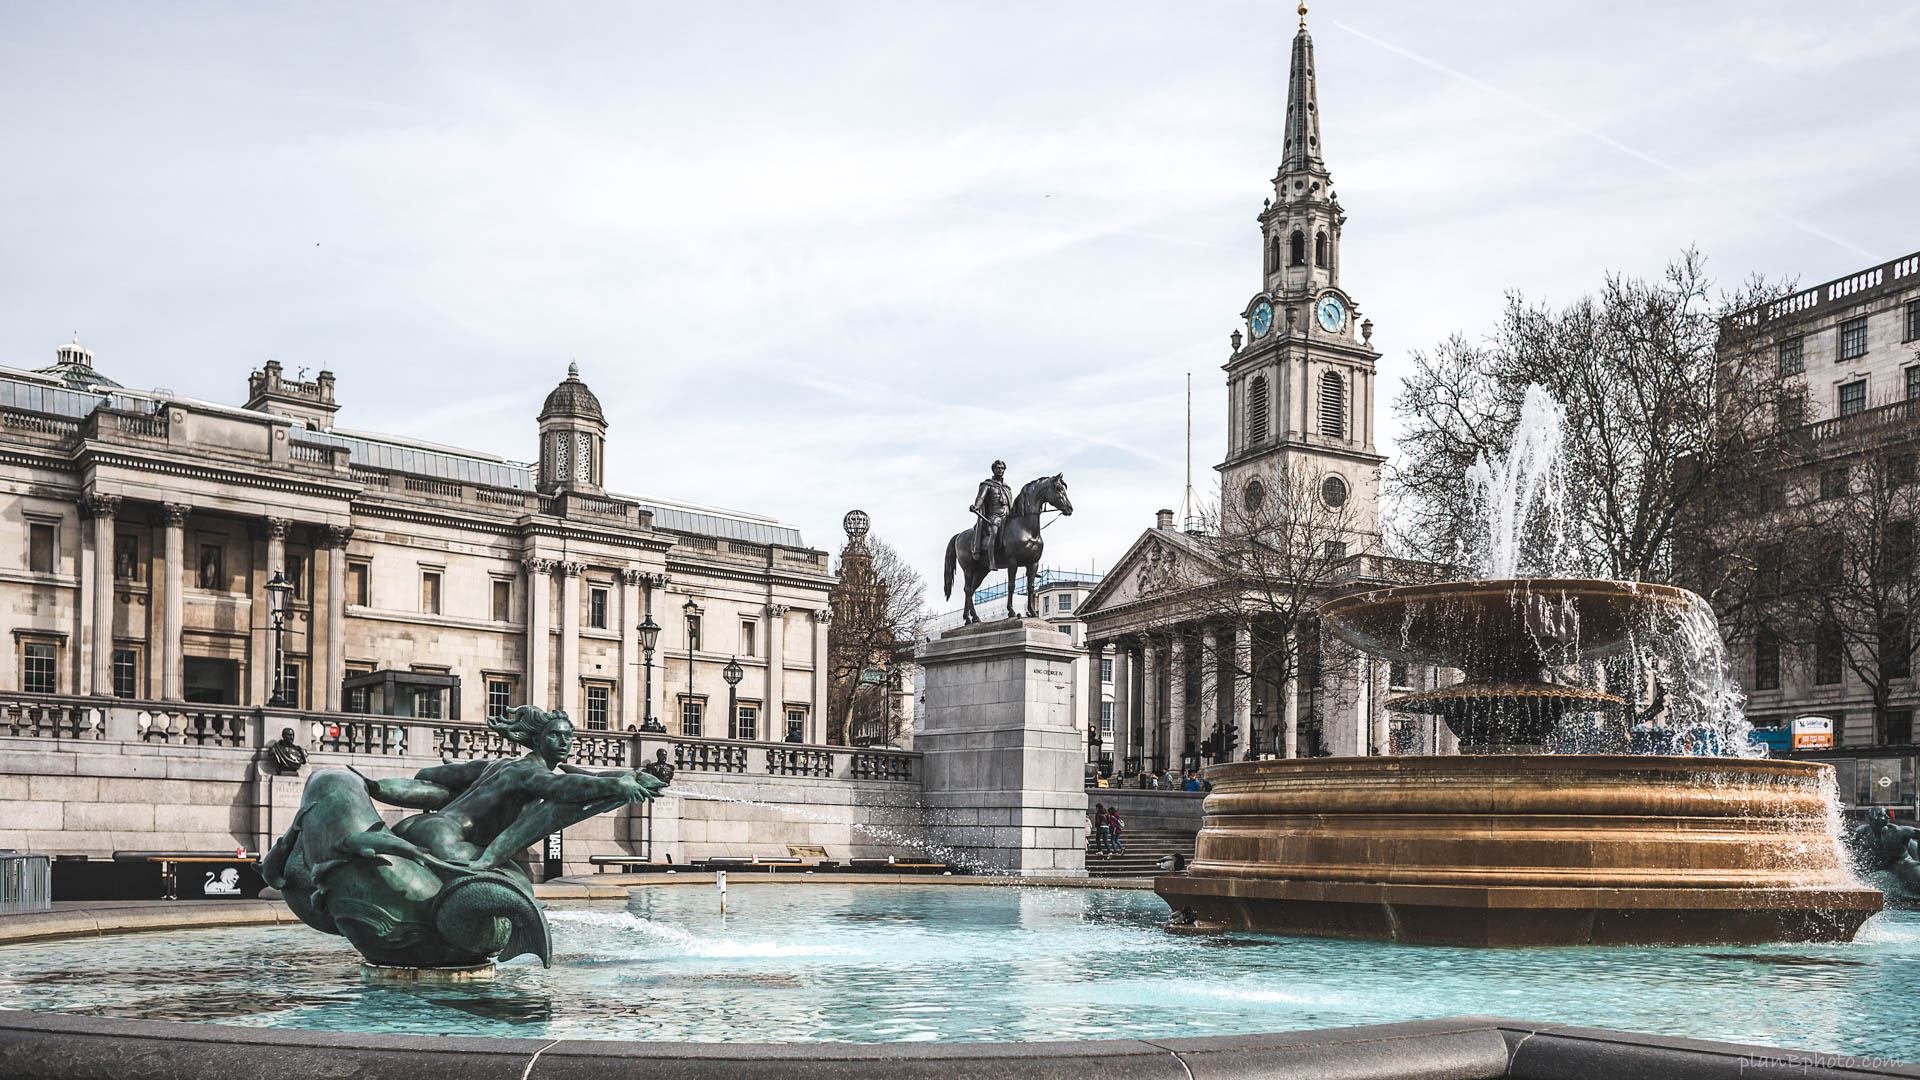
(1145,848)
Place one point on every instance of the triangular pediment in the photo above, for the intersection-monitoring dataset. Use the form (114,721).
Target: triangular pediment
(1152,568)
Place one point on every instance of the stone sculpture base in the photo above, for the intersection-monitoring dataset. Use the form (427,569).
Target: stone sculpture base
(474,973)
(1523,850)
(1004,760)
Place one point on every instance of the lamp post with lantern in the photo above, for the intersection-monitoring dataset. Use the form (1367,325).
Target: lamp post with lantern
(279,589)
(649,637)
(692,612)
(733,674)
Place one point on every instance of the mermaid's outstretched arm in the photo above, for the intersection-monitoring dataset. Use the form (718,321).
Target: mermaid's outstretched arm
(565,799)
(416,794)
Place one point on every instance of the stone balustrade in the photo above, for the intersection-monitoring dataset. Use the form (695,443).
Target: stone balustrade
(786,759)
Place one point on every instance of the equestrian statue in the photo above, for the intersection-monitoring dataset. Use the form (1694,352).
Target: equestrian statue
(1005,536)
(439,889)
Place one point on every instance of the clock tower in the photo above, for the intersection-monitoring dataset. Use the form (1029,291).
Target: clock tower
(1300,380)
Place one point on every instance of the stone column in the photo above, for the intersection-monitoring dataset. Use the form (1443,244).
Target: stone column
(1177,707)
(773,713)
(632,674)
(335,538)
(1243,689)
(1095,650)
(102,508)
(275,530)
(173,522)
(1155,744)
(1290,699)
(656,584)
(1212,713)
(570,639)
(1378,676)
(539,606)
(1122,706)
(817,710)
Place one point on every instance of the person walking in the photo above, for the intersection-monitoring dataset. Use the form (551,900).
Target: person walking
(1101,839)
(1116,843)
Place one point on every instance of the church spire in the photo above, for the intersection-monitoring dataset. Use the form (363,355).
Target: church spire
(1302,149)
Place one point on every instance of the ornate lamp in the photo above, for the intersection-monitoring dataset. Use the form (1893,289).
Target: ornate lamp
(692,612)
(279,590)
(733,674)
(649,637)
(1253,734)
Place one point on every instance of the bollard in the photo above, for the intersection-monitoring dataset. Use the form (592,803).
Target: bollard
(720,883)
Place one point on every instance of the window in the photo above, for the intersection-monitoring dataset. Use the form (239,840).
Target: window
(213,574)
(1835,482)
(359,584)
(126,557)
(1913,319)
(1399,675)
(1793,411)
(1853,338)
(1333,405)
(1853,397)
(41,546)
(1298,255)
(1273,255)
(1793,356)
(1066,602)
(1336,550)
(1068,630)
(746,721)
(1766,662)
(126,673)
(1320,249)
(298,563)
(290,682)
(1896,727)
(597,609)
(796,724)
(1913,382)
(596,708)
(1106,669)
(691,710)
(1333,492)
(39,667)
(1896,648)
(747,636)
(355,700)
(1901,468)
(1106,718)
(1896,550)
(502,601)
(1827,648)
(693,634)
(426,704)
(499,696)
(429,592)
(1257,410)
(1046,604)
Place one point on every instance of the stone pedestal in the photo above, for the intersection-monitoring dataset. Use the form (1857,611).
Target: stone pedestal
(1004,757)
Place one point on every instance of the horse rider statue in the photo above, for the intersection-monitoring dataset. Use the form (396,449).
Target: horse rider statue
(991,504)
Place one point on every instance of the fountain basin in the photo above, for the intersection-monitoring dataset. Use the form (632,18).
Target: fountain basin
(1524,850)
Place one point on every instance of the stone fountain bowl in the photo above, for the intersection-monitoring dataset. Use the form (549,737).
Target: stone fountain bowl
(1501,849)
(1501,626)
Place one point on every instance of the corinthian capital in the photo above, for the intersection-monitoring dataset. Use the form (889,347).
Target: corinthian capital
(573,569)
(100,506)
(534,564)
(173,515)
(334,536)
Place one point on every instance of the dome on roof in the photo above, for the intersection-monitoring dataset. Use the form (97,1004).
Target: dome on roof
(572,398)
(74,367)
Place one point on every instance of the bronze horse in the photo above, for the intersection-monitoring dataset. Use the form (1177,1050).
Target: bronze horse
(1019,544)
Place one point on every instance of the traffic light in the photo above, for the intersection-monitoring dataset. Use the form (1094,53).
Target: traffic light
(1229,741)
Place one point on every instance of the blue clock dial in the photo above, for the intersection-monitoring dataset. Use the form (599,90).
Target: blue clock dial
(1262,320)
(1331,313)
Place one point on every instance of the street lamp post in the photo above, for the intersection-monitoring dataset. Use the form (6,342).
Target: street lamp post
(1253,732)
(733,675)
(278,590)
(692,612)
(649,637)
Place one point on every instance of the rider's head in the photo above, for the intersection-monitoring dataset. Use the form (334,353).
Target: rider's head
(999,469)
(549,734)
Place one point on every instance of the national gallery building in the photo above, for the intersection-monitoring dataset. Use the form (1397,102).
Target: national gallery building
(140,534)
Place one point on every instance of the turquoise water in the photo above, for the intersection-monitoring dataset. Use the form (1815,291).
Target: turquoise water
(904,963)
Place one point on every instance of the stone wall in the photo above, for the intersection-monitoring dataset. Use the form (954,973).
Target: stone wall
(1177,811)
(79,778)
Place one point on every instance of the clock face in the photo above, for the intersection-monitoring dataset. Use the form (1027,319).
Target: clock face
(1262,320)
(1331,313)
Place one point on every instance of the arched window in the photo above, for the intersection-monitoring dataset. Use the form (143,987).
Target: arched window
(1299,253)
(1333,405)
(1273,256)
(1257,410)
(1320,249)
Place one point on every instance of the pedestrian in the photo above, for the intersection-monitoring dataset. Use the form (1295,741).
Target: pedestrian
(1117,844)
(1100,837)
(1193,782)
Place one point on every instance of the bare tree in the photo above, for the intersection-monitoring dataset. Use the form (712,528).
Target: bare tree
(1851,582)
(1657,428)
(879,606)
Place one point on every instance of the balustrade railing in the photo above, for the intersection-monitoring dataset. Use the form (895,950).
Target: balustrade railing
(51,717)
(309,453)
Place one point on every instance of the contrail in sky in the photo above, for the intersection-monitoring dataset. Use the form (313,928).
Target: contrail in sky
(1598,136)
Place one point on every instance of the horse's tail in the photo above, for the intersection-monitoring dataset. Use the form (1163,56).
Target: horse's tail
(947,593)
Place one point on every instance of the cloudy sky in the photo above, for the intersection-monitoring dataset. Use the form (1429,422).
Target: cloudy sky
(825,255)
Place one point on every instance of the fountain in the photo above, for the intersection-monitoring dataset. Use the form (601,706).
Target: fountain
(1507,844)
